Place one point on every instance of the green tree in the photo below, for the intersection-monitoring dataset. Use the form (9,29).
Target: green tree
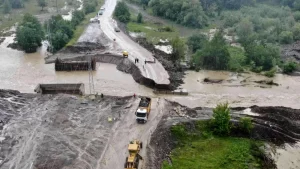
(265,56)
(185,12)
(289,67)
(237,59)
(16,4)
(245,124)
(122,12)
(6,7)
(297,15)
(214,55)
(221,119)
(77,17)
(296,31)
(139,18)
(178,49)
(244,29)
(29,33)
(89,7)
(197,42)
(61,32)
(42,3)
(286,37)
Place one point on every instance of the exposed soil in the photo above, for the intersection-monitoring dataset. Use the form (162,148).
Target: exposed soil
(2,40)
(15,45)
(267,82)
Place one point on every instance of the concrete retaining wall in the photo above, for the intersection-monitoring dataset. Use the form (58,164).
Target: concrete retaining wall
(75,88)
(74,65)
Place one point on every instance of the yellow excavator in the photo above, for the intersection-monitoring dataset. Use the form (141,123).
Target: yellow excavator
(132,161)
(125,54)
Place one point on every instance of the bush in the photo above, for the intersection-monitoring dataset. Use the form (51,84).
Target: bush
(197,42)
(214,55)
(139,18)
(237,59)
(179,48)
(297,15)
(122,12)
(286,37)
(271,73)
(29,33)
(296,31)
(221,120)
(77,17)
(89,7)
(289,67)
(61,32)
(246,124)
(6,7)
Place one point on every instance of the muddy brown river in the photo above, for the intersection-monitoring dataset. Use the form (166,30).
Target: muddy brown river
(20,71)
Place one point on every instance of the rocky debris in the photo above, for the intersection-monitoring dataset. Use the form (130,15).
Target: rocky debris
(2,40)
(14,45)
(56,131)
(291,52)
(208,80)
(267,82)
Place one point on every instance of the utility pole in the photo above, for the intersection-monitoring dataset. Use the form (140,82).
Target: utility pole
(91,78)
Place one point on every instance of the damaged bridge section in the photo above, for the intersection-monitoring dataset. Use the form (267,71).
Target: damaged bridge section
(67,88)
(75,65)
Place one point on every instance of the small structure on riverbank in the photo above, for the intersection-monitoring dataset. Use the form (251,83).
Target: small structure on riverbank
(67,88)
(74,65)
(174,92)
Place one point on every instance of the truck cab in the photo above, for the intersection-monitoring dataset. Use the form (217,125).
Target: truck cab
(143,110)
(141,115)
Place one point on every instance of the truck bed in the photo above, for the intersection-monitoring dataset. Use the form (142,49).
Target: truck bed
(145,101)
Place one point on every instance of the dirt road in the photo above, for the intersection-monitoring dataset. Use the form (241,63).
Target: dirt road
(153,71)
(129,130)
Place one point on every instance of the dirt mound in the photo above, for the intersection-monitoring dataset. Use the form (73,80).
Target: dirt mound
(208,80)
(57,131)
(83,48)
(2,40)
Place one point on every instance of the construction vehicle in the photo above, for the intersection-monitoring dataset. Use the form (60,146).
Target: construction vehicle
(132,161)
(125,54)
(143,110)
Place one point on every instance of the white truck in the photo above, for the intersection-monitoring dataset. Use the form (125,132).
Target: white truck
(143,110)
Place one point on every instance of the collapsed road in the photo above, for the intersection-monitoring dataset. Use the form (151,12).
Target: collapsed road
(153,71)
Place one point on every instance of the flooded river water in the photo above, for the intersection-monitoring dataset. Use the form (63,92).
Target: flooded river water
(23,72)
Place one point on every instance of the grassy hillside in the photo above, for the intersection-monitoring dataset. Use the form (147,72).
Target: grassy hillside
(201,149)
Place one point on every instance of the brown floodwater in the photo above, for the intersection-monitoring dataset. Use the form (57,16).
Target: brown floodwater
(20,71)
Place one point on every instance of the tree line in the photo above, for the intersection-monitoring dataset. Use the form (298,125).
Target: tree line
(56,30)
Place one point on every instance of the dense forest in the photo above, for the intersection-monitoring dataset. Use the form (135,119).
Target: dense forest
(260,26)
